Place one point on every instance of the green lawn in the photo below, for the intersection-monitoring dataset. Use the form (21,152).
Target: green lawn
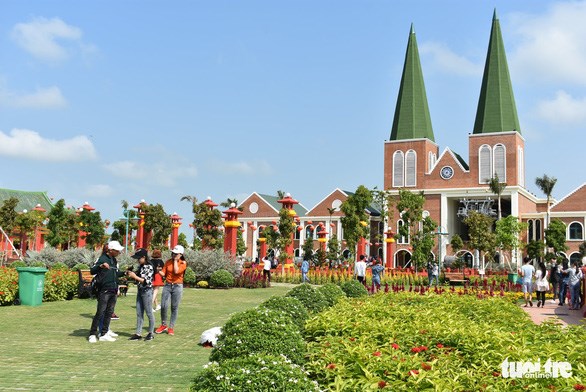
(45,348)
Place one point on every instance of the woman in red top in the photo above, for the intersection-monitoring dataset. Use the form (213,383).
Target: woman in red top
(173,271)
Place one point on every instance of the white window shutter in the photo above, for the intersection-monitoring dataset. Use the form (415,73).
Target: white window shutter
(500,162)
(398,169)
(411,168)
(484,165)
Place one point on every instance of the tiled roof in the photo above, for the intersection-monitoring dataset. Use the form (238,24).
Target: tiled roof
(274,202)
(27,200)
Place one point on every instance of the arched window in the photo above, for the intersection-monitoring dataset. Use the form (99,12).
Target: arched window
(484,164)
(411,168)
(537,229)
(431,161)
(309,232)
(575,231)
(520,166)
(500,162)
(297,252)
(576,257)
(530,230)
(398,169)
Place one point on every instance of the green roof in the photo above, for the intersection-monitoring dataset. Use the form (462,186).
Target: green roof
(412,119)
(497,111)
(26,200)
(274,202)
(461,160)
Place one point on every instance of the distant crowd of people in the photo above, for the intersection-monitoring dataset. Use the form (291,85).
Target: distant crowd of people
(151,274)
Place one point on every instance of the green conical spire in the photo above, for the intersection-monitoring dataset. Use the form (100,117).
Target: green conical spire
(497,111)
(412,119)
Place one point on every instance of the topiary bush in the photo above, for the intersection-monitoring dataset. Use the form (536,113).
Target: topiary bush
(259,331)
(253,374)
(354,289)
(313,300)
(332,293)
(290,306)
(202,284)
(222,278)
(189,276)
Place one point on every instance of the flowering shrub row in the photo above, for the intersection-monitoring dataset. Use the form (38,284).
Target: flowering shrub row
(411,341)
(60,284)
(8,285)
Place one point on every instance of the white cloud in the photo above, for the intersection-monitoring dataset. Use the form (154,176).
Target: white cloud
(563,109)
(24,143)
(446,60)
(44,38)
(43,98)
(99,191)
(551,46)
(244,168)
(159,173)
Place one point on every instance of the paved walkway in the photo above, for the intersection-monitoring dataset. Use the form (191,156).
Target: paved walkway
(552,310)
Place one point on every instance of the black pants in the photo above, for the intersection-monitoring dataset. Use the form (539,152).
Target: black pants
(266,274)
(106,304)
(541,296)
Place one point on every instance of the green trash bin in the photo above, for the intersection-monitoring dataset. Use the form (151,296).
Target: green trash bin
(31,284)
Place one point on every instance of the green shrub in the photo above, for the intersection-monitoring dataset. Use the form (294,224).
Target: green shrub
(313,300)
(206,262)
(38,263)
(354,289)
(8,285)
(46,257)
(189,277)
(80,266)
(259,331)
(222,278)
(253,374)
(332,293)
(290,306)
(60,285)
(59,266)
(17,263)
(202,284)
(75,256)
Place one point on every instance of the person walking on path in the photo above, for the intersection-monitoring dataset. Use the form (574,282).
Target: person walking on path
(304,271)
(144,295)
(157,264)
(377,271)
(266,269)
(555,278)
(564,284)
(574,281)
(173,271)
(541,284)
(360,269)
(107,270)
(527,272)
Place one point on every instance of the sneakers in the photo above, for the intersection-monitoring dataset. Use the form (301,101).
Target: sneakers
(150,336)
(154,310)
(107,338)
(112,333)
(170,331)
(92,339)
(114,317)
(161,329)
(158,307)
(135,337)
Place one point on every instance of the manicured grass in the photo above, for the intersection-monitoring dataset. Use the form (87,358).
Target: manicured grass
(45,348)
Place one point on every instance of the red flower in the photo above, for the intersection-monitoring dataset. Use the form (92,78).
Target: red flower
(439,345)
(377,353)
(415,350)
(423,348)
(423,331)
(352,339)
(331,366)
(395,346)
(425,366)
(579,387)
(382,384)
(413,372)
(496,374)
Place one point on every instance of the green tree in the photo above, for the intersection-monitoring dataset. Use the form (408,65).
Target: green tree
(482,238)
(240,244)
(386,202)
(207,223)
(182,240)
(456,243)
(61,226)
(355,219)
(507,235)
(546,184)
(26,223)
(420,230)
(320,257)
(555,237)
(286,230)
(157,221)
(333,248)
(228,203)
(497,188)
(8,215)
(308,250)
(534,249)
(271,236)
(91,223)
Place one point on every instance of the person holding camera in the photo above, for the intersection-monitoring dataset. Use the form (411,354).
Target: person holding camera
(144,295)
(173,272)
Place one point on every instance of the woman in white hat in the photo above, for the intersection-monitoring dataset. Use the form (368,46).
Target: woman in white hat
(173,272)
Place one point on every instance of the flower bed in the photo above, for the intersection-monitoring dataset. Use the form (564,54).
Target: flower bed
(436,341)
(8,285)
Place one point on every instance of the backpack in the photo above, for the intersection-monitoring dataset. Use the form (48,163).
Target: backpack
(96,285)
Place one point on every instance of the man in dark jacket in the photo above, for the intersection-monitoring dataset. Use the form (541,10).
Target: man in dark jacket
(107,270)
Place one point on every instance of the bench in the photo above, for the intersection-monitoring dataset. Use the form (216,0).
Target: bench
(455,278)
(85,283)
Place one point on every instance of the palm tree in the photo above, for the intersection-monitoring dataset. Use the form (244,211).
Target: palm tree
(546,185)
(497,188)
(331,212)
(281,195)
(191,199)
(228,203)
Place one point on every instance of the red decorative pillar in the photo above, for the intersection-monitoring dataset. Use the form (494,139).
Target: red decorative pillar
(211,205)
(361,247)
(262,250)
(232,226)
(175,224)
(390,243)
(140,231)
(82,233)
(288,202)
(39,240)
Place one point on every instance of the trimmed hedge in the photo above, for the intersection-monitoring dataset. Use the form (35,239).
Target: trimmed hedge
(222,278)
(354,289)
(332,293)
(290,306)
(313,300)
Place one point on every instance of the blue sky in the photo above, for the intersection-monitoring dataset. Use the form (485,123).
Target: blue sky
(112,100)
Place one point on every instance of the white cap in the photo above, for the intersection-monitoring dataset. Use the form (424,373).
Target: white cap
(115,245)
(178,249)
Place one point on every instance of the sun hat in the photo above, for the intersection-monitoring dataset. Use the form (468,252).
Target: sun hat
(178,249)
(115,245)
